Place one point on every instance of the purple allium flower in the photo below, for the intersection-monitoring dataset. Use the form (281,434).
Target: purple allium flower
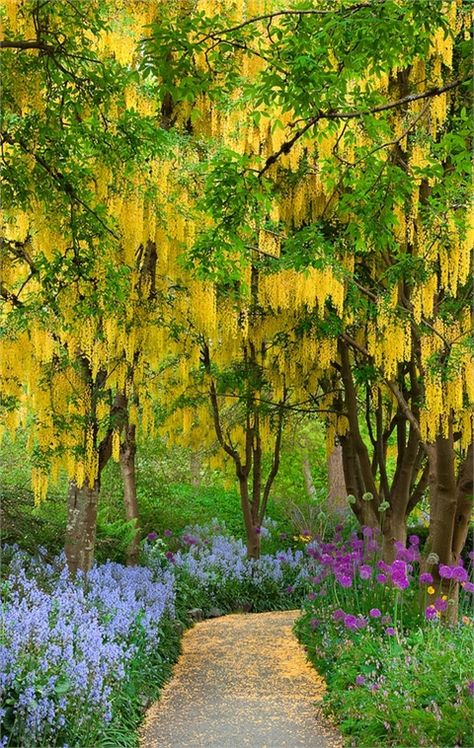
(390,631)
(426,578)
(361,622)
(386,620)
(445,572)
(345,580)
(314,623)
(360,680)
(471,555)
(338,614)
(414,540)
(168,533)
(152,535)
(367,532)
(440,604)
(430,613)
(311,596)
(258,530)
(469,587)
(470,687)
(400,581)
(290,589)
(460,574)
(374,687)
(365,571)
(381,578)
(170,556)
(375,613)
(350,622)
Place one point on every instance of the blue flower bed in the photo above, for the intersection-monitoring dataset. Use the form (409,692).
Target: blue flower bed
(68,646)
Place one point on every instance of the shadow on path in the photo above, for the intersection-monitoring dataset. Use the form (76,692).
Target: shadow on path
(242,680)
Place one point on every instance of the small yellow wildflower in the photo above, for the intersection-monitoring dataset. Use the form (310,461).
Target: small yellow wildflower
(444,597)
(431,590)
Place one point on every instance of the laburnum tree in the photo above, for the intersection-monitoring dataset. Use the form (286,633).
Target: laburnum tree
(348,123)
(84,148)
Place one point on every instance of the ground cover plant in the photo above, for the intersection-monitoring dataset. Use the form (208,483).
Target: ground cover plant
(397,674)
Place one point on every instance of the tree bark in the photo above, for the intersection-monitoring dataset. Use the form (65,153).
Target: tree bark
(464,489)
(195,468)
(253,537)
(81,526)
(337,492)
(127,468)
(308,478)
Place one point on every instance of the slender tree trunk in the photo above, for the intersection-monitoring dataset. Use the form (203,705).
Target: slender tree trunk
(337,492)
(464,490)
(253,537)
(308,478)
(195,467)
(443,503)
(127,468)
(81,526)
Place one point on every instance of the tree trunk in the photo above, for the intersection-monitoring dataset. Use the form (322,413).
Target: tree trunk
(195,468)
(464,489)
(337,492)
(394,528)
(442,518)
(127,468)
(308,478)
(253,536)
(81,526)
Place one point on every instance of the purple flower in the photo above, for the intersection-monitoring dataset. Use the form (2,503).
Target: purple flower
(470,687)
(381,578)
(311,595)
(360,680)
(258,530)
(469,587)
(426,578)
(445,572)
(400,581)
(390,631)
(440,604)
(430,613)
(386,620)
(471,555)
(350,622)
(345,580)
(367,532)
(338,614)
(365,571)
(290,589)
(375,613)
(152,536)
(314,623)
(168,533)
(414,540)
(460,574)
(170,556)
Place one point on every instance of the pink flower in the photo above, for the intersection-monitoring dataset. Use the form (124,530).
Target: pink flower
(365,571)
(375,613)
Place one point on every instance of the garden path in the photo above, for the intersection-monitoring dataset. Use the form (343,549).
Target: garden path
(242,680)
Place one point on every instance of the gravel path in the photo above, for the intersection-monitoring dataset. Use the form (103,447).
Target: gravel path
(242,680)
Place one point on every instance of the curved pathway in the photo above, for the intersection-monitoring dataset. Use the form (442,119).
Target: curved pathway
(242,680)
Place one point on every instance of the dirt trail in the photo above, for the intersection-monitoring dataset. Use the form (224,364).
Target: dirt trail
(242,680)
